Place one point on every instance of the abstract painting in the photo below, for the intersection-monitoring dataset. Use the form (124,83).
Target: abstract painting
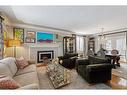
(44,37)
(18,34)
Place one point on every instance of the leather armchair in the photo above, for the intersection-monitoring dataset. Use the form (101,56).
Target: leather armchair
(68,60)
(94,69)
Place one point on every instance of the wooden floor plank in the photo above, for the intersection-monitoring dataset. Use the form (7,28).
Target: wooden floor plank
(117,82)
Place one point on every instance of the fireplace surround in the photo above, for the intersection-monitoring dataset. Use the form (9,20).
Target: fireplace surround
(44,54)
(34,48)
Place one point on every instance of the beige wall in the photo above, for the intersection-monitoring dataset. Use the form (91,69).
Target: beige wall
(24,49)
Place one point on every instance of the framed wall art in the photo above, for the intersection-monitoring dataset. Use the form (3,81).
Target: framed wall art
(43,37)
(30,37)
(30,40)
(18,33)
(58,38)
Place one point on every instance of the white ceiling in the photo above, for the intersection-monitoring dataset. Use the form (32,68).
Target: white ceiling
(78,19)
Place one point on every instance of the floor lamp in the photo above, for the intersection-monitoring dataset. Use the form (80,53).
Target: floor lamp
(14,43)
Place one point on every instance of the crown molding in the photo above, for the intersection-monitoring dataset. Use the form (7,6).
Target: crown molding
(41,28)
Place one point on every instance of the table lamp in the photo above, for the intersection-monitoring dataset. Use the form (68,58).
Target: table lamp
(14,43)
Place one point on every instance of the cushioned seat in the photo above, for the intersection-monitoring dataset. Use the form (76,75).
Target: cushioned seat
(68,60)
(30,86)
(10,62)
(4,69)
(26,79)
(30,68)
(94,69)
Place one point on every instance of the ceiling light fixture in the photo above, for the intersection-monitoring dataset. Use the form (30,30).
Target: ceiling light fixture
(102,38)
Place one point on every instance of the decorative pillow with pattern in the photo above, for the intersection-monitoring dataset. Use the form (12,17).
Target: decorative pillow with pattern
(7,82)
(21,63)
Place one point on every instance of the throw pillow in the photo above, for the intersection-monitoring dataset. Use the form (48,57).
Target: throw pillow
(21,63)
(8,83)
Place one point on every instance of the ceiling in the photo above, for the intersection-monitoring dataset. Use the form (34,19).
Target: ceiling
(78,19)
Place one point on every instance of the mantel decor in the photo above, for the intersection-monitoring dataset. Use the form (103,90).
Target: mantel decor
(18,33)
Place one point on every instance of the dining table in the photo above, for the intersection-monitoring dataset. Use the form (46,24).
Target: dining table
(113,59)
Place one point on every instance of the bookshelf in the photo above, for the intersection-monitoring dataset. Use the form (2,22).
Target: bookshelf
(91,44)
(69,44)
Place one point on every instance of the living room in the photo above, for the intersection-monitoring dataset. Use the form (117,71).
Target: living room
(84,49)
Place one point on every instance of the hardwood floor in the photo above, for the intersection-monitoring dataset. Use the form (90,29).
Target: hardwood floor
(117,82)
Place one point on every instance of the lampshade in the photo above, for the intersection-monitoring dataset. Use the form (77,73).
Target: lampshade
(13,42)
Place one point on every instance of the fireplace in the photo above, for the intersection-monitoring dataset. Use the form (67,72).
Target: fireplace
(44,54)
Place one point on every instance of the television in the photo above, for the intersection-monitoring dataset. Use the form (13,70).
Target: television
(44,37)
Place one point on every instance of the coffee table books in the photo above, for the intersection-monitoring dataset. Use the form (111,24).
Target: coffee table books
(58,75)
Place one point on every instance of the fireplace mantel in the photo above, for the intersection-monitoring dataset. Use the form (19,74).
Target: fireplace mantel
(48,45)
(34,48)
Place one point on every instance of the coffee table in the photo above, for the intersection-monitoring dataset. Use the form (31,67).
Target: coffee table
(58,75)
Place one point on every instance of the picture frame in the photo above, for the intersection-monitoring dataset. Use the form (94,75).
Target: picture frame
(58,38)
(45,37)
(30,37)
(30,40)
(18,33)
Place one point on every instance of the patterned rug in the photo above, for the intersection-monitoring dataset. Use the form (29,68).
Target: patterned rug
(77,82)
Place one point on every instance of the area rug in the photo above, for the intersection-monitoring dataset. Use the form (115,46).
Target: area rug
(77,82)
(121,71)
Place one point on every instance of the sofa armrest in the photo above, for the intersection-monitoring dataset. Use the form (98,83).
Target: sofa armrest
(98,67)
(31,86)
(31,61)
(63,57)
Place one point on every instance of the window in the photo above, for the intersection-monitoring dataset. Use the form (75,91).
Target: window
(121,46)
(117,41)
(80,44)
(108,45)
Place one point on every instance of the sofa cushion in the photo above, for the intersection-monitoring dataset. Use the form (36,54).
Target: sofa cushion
(10,61)
(30,87)
(27,78)
(4,69)
(27,69)
(71,54)
(97,60)
(81,70)
(7,82)
(21,63)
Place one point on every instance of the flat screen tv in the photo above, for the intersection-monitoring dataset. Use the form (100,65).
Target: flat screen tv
(44,37)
